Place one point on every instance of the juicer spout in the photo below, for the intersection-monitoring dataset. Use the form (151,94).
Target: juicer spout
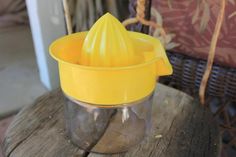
(163,66)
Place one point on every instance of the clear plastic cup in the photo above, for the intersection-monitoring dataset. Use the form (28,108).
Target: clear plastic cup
(107,129)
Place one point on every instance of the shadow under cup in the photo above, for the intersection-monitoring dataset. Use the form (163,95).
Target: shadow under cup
(108,129)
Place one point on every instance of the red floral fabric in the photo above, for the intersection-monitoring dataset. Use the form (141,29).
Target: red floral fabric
(193,23)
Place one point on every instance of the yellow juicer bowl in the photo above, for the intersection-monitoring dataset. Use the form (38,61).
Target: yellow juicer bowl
(109,65)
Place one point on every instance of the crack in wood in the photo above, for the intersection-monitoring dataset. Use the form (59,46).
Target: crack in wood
(20,142)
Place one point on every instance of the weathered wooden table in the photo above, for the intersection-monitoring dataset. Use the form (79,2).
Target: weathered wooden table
(180,128)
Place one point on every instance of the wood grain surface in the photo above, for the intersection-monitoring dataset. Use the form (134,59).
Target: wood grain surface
(180,128)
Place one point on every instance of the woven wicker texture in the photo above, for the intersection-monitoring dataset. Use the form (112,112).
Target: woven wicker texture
(188,73)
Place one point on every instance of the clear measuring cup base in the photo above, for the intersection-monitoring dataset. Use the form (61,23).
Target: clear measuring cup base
(107,130)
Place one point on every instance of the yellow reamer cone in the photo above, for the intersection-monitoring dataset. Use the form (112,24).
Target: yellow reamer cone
(109,65)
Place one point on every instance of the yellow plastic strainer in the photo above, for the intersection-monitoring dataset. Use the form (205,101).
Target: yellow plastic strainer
(109,65)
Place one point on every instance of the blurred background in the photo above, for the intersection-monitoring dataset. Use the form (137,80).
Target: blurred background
(26,69)
(19,78)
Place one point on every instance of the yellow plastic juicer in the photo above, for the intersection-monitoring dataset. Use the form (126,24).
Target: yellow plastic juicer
(108,75)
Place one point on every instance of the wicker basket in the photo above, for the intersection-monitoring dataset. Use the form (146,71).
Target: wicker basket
(188,73)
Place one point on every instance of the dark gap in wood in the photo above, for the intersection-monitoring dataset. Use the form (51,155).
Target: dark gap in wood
(30,133)
(19,143)
(103,132)
(86,153)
